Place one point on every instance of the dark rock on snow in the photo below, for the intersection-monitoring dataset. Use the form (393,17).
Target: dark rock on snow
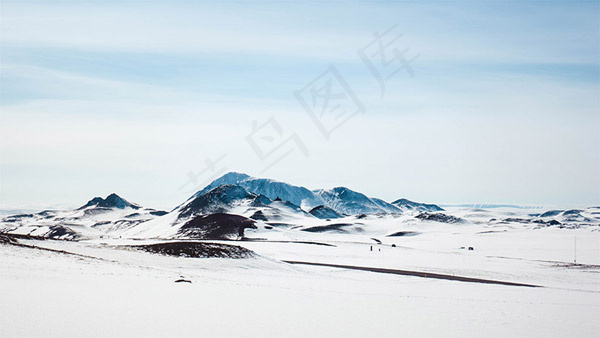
(216,226)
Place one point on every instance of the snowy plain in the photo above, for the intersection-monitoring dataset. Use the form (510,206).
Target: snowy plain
(99,287)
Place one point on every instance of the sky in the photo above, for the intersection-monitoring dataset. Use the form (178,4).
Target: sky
(444,101)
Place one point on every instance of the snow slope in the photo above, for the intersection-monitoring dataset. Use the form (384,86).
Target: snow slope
(112,291)
(97,218)
(340,199)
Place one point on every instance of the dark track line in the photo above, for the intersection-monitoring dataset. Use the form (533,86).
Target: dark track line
(417,274)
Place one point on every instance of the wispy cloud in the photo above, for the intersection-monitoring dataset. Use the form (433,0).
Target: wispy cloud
(112,87)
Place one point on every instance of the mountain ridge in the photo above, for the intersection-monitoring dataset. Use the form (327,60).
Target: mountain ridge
(342,200)
(111,201)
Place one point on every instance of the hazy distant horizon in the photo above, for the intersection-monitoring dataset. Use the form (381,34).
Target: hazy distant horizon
(33,207)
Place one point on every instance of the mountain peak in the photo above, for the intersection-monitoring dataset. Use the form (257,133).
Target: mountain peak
(404,204)
(114,197)
(230,178)
(324,212)
(347,201)
(341,199)
(111,201)
(342,190)
(263,186)
(234,175)
(214,200)
(346,193)
(229,191)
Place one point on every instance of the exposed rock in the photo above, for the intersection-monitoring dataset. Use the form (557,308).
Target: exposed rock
(196,250)
(439,217)
(551,213)
(111,201)
(329,228)
(324,212)
(4,239)
(216,226)
(403,203)
(403,233)
(215,201)
(259,216)
(62,232)
(158,213)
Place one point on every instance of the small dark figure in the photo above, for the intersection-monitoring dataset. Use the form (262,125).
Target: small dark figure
(393,245)
(379,249)
(471,248)
(371,248)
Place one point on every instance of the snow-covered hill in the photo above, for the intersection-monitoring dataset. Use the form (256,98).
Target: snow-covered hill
(97,218)
(404,204)
(324,212)
(237,202)
(346,201)
(111,201)
(341,199)
(263,186)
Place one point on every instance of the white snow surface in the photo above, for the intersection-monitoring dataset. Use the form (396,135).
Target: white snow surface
(114,291)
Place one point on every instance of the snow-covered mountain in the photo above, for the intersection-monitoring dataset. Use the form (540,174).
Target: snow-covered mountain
(346,201)
(340,199)
(235,202)
(111,201)
(219,199)
(97,218)
(404,204)
(588,215)
(230,198)
(324,212)
(263,186)
(224,204)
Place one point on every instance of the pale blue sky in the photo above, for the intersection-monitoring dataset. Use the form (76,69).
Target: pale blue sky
(130,97)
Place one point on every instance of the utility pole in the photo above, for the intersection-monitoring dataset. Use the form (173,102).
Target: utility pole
(575,250)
